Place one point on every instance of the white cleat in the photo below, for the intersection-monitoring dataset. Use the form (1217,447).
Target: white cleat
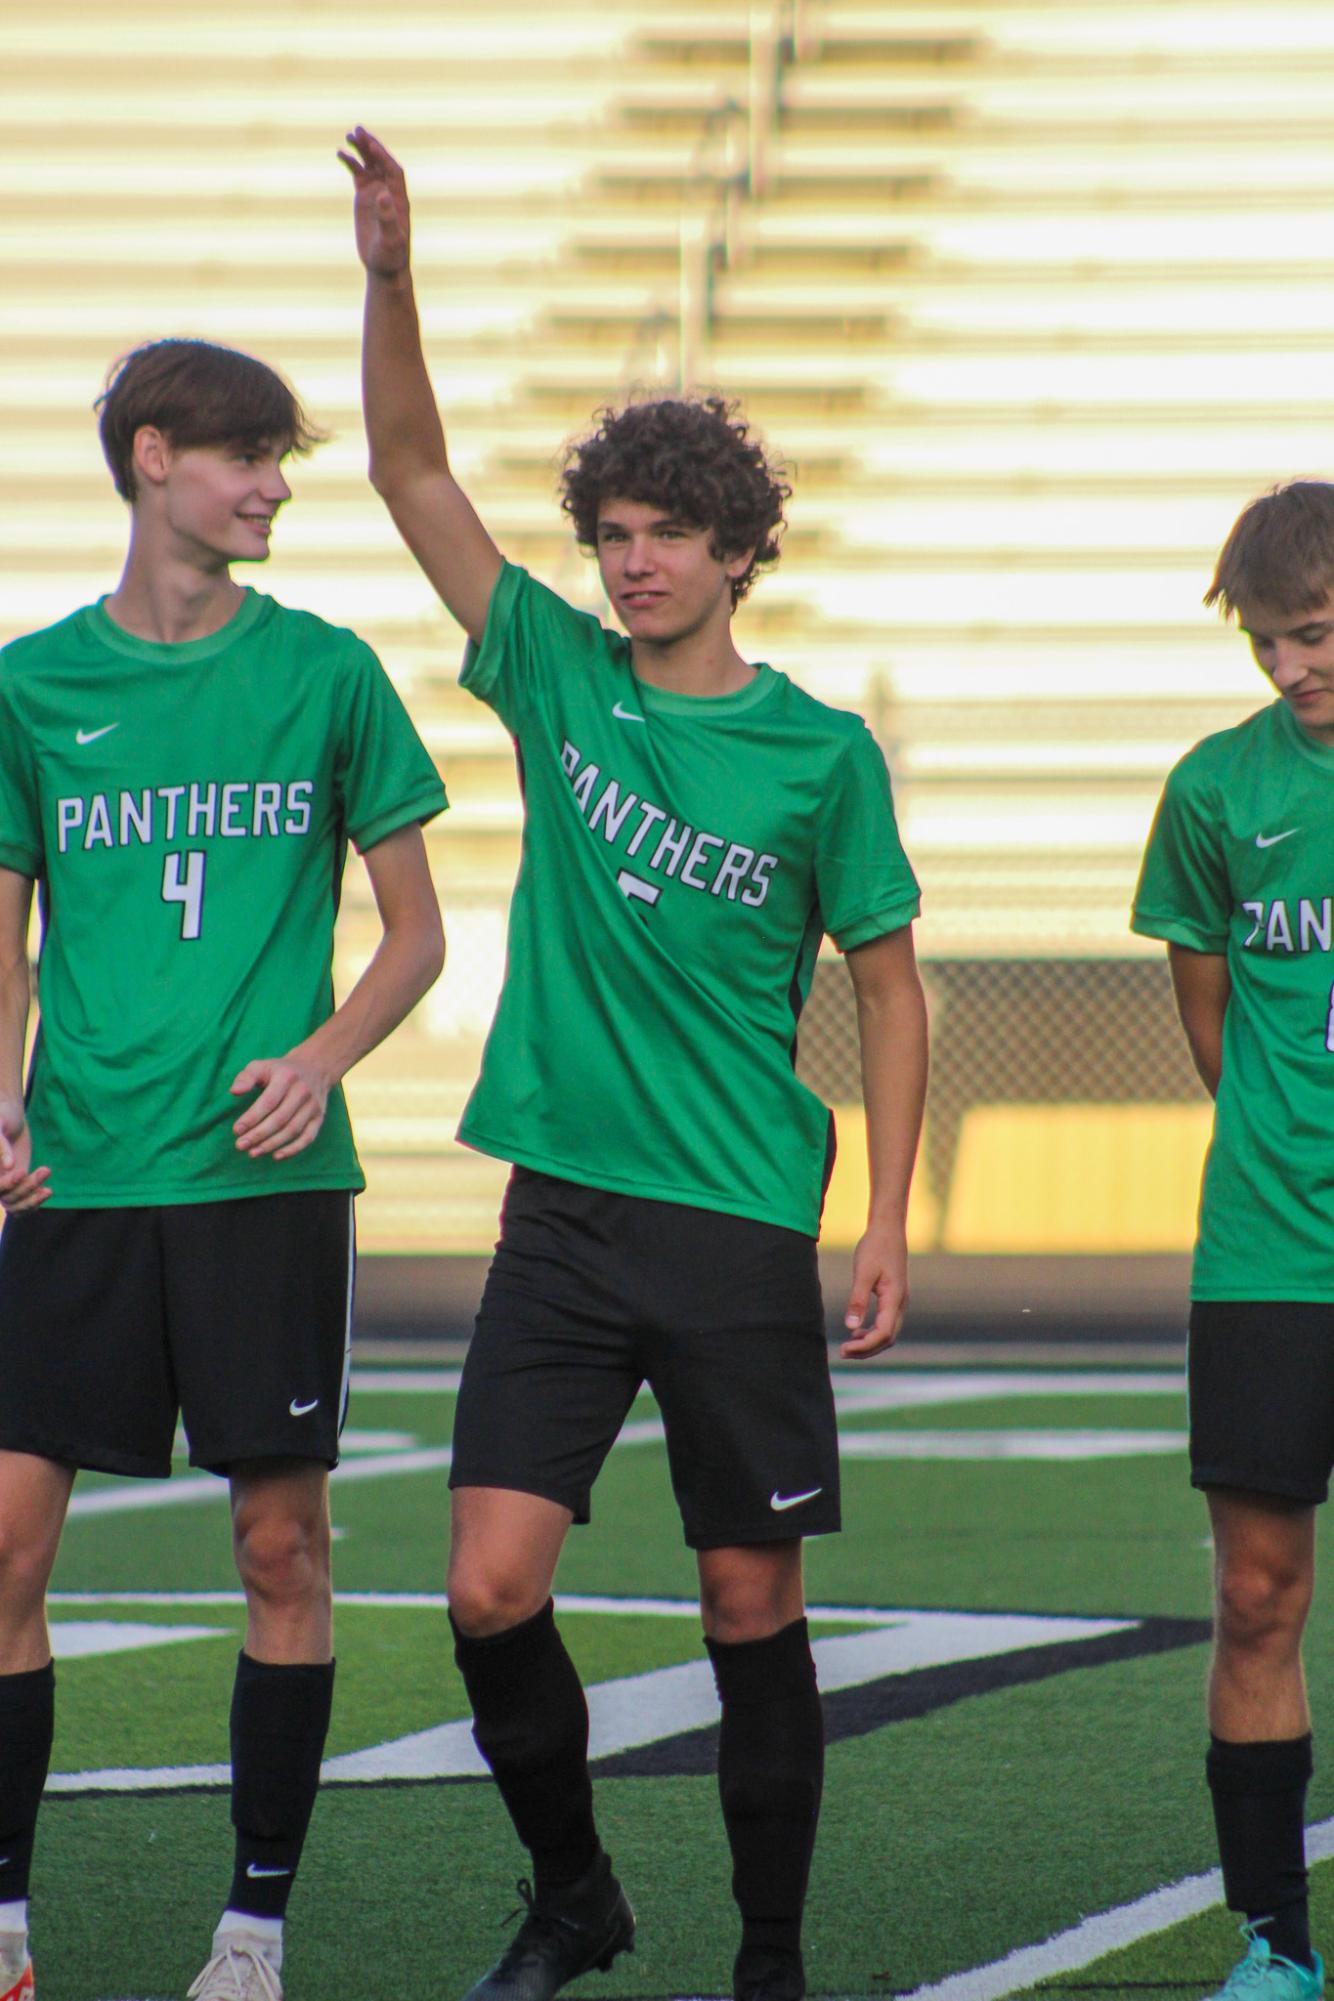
(239,1972)
(15,1967)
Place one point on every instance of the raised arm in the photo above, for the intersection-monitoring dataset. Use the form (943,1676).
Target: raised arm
(1203,986)
(409,465)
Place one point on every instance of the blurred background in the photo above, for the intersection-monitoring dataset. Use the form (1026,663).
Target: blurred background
(1032,297)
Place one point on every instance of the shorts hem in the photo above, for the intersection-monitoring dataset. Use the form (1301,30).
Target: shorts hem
(221,1464)
(87,1459)
(1205,1477)
(581,1509)
(755,1537)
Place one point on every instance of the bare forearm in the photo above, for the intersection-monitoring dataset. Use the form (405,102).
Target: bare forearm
(14,1004)
(893,1030)
(403,426)
(1205,1041)
(1203,987)
(406,964)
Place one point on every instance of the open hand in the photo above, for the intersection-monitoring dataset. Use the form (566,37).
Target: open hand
(22,1186)
(380,210)
(289,1111)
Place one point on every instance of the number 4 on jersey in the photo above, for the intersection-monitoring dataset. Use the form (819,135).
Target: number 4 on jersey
(187,889)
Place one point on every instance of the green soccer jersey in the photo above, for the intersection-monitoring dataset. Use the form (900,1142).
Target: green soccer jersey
(1241,862)
(186,811)
(682,858)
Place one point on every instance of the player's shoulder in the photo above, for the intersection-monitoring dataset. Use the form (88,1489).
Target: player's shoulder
(33,652)
(1219,756)
(827,731)
(311,633)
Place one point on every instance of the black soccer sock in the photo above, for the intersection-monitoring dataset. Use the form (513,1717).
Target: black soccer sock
(27,1726)
(530,1723)
(280,1719)
(1259,1796)
(770,1777)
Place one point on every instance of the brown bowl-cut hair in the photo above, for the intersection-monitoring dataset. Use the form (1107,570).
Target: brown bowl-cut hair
(1280,552)
(197,393)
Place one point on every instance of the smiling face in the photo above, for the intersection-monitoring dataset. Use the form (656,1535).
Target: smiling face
(1296,650)
(215,504)
(660,573)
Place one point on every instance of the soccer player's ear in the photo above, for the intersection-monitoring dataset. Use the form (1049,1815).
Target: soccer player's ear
(151,453)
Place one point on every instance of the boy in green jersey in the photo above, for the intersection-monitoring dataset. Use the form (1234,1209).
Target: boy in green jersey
(1238,878)
(182,766)
(693,826)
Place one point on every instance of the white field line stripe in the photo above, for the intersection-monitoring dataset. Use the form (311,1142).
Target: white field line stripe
(406,1382)
(891,1391)
(644,1708)
(571,1602)
(208,1487)
(903,1393)
(893,1387)
(1069,1951)
(1071,1447)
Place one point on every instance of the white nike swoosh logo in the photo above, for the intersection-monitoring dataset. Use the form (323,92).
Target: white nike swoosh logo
(91,736)
(253,1869)
(625,715)
(778,1502)
(1272,840)
(302,1409)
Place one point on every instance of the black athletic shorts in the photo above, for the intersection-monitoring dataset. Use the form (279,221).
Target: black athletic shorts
(236,1314)
(1261,1376)
(593,1294)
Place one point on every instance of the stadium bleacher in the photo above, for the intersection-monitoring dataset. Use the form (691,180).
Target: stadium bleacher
(1032,297)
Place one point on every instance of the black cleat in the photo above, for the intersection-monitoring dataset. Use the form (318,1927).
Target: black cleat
(768,1974)
(568,1933)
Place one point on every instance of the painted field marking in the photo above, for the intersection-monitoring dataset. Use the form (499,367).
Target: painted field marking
(886,1387)
(87,1639)
(1069,1951)
(634,1710)
(436,1601)
(373,1458)
(887,1390)
(1048,1445)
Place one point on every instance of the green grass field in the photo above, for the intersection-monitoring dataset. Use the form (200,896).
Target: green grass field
(995,1776)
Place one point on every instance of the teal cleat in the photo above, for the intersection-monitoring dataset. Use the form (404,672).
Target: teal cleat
(1265,1976)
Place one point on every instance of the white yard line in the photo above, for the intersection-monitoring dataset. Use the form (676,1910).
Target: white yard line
(636,1710)
(1070,1951)
(853,1394)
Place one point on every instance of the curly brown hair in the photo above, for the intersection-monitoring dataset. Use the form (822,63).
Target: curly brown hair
(693,456)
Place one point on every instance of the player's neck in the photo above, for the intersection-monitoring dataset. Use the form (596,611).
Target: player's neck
(169,600)
(699,663)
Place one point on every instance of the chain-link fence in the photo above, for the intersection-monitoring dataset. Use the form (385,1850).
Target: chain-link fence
(1033,1032)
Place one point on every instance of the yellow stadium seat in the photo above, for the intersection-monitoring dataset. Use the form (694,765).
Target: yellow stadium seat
(849,1191)
(1078,1179)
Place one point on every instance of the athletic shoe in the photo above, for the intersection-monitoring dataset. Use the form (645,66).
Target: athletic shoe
(1266,1976)
(763,1975)
(240,1972)
(565,1934)
(15,1967)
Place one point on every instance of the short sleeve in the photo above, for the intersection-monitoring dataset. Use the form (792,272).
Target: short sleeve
(1183,894)
(530,632)
(865,884)
(386,774)
(21,845)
